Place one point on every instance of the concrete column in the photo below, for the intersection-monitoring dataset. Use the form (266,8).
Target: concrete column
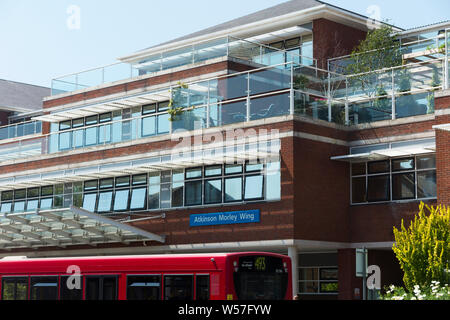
(293,254)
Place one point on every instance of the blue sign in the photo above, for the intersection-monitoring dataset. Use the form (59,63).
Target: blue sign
(224,218)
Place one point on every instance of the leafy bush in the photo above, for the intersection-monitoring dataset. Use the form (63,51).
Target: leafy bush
(434,292)
(423,250)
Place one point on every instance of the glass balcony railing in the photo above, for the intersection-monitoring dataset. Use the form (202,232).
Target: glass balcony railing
(20,130)
(223,47)
(414,51)
(283,89)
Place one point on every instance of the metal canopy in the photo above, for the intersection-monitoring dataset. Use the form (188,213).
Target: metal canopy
(443,127)
(66,227)
(107,106)
(176,160)
(384,154)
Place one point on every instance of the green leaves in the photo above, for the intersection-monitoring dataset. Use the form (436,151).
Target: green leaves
(423,249)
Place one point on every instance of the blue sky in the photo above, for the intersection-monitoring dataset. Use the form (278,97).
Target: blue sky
(37,44)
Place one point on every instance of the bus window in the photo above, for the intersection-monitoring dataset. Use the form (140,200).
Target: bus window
(68,289)
(15,288)
(178,288)
(44,288)
(202,287)
(260,278)
(144,288)
(101,288)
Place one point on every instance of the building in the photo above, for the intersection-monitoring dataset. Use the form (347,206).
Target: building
(247,136)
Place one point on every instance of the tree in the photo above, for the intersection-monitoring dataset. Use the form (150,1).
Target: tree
(423,249)
(379,50)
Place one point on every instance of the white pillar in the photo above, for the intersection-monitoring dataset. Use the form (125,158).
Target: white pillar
(293,254)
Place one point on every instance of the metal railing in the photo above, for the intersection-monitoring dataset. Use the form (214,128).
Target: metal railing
(20,129)
(221,47)
(288,88)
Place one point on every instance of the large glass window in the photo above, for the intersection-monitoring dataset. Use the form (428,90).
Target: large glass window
(161,190)
(394,180)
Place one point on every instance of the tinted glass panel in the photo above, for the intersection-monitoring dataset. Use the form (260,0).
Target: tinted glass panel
(426,184)
(144,288)
(213,171)
(426,162)
(254,187)
(260,278)
(14,288)
(101,288)
(202,288)
(89,202)
(121,200)
(105,201)
(378,188)
(138,199)
(232,169)
(403,186)
(178,288)
(194,173)
(153,197)
(378,167)
(233,189)
(46,203)
(213,191)
(359,190)
(358,169)
(193,193)
(403,164)
(44,288)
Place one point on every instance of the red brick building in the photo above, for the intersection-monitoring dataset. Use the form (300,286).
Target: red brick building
(268,125)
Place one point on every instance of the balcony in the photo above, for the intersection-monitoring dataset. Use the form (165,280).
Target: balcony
(223,47)
(288,88)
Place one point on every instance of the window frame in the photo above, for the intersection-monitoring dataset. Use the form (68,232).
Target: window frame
(391,175)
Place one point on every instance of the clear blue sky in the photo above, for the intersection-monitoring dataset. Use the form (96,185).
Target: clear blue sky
(37,44)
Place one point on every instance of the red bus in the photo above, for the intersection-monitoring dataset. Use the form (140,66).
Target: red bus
(228,276)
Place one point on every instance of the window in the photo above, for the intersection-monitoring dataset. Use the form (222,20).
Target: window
(193,195)
(254,187)
(144,288)
(202,287)
(44,288)
(138,197)
(318,274)
(394,180)
(178,288)
(70,293)
(46,203)
(14,288)
(378,188)
(105,201)
(121,200)
(233,189)
(273,181)
(101,288)
(213,191)
(89,202)
(209,185)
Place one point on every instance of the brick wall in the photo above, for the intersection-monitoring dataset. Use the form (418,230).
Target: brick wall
(332,39)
